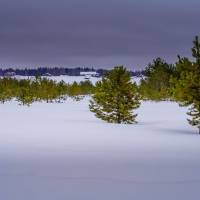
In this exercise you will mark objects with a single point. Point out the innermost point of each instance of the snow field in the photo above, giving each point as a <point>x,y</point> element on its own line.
<point>61,151</point>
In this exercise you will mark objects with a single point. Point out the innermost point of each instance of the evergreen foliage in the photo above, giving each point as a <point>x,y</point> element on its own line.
<point>115,97</point>
<point>156,81</point>
<point>27,91</point>
<point>185,84</point>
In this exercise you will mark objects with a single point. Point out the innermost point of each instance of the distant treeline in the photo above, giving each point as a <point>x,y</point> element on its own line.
<point>57,71</point>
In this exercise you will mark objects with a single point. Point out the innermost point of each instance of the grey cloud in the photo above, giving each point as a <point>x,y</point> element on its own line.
<point>95,33</point>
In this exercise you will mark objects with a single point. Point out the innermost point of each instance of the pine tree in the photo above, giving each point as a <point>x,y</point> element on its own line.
<point>24,94</point>
<point>24,97</point>
<point>156,81</point>
<point>115,97</point>
<point>196,50</point>
<point>186,84</point>
<point>195,88</point>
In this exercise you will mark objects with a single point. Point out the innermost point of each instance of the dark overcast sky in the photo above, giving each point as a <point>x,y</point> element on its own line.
<point>98,33</point>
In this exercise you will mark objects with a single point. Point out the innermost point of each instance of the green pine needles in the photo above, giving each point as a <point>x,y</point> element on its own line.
<point>27,91</point>
<point>186,84</point>
<point>115,97</point>
<point>155,84</point>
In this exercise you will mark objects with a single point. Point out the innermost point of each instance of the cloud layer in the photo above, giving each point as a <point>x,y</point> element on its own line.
<point>95,33</point>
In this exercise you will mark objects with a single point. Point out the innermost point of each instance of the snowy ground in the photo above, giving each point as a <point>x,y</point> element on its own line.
<point>67,79</point>
<point>61,151</point>
<point>70,79</point>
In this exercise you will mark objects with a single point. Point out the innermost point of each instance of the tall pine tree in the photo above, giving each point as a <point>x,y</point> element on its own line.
<point>195,109</point>
<point>186,84</point>
<point>115,97</point>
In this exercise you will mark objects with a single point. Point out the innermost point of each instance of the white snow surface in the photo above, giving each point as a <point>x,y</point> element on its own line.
<point>70,79</point>
<point>61,151</point>
<point>65,78</point>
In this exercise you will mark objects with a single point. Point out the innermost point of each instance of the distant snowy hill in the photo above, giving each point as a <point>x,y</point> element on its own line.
<point>70,79</point>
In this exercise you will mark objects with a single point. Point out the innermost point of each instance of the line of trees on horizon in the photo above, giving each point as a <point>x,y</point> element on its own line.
<point>57,71</point>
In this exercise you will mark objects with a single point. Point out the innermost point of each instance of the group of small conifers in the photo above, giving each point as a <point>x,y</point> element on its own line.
<point>115,97</point>
<point>27,91</point>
